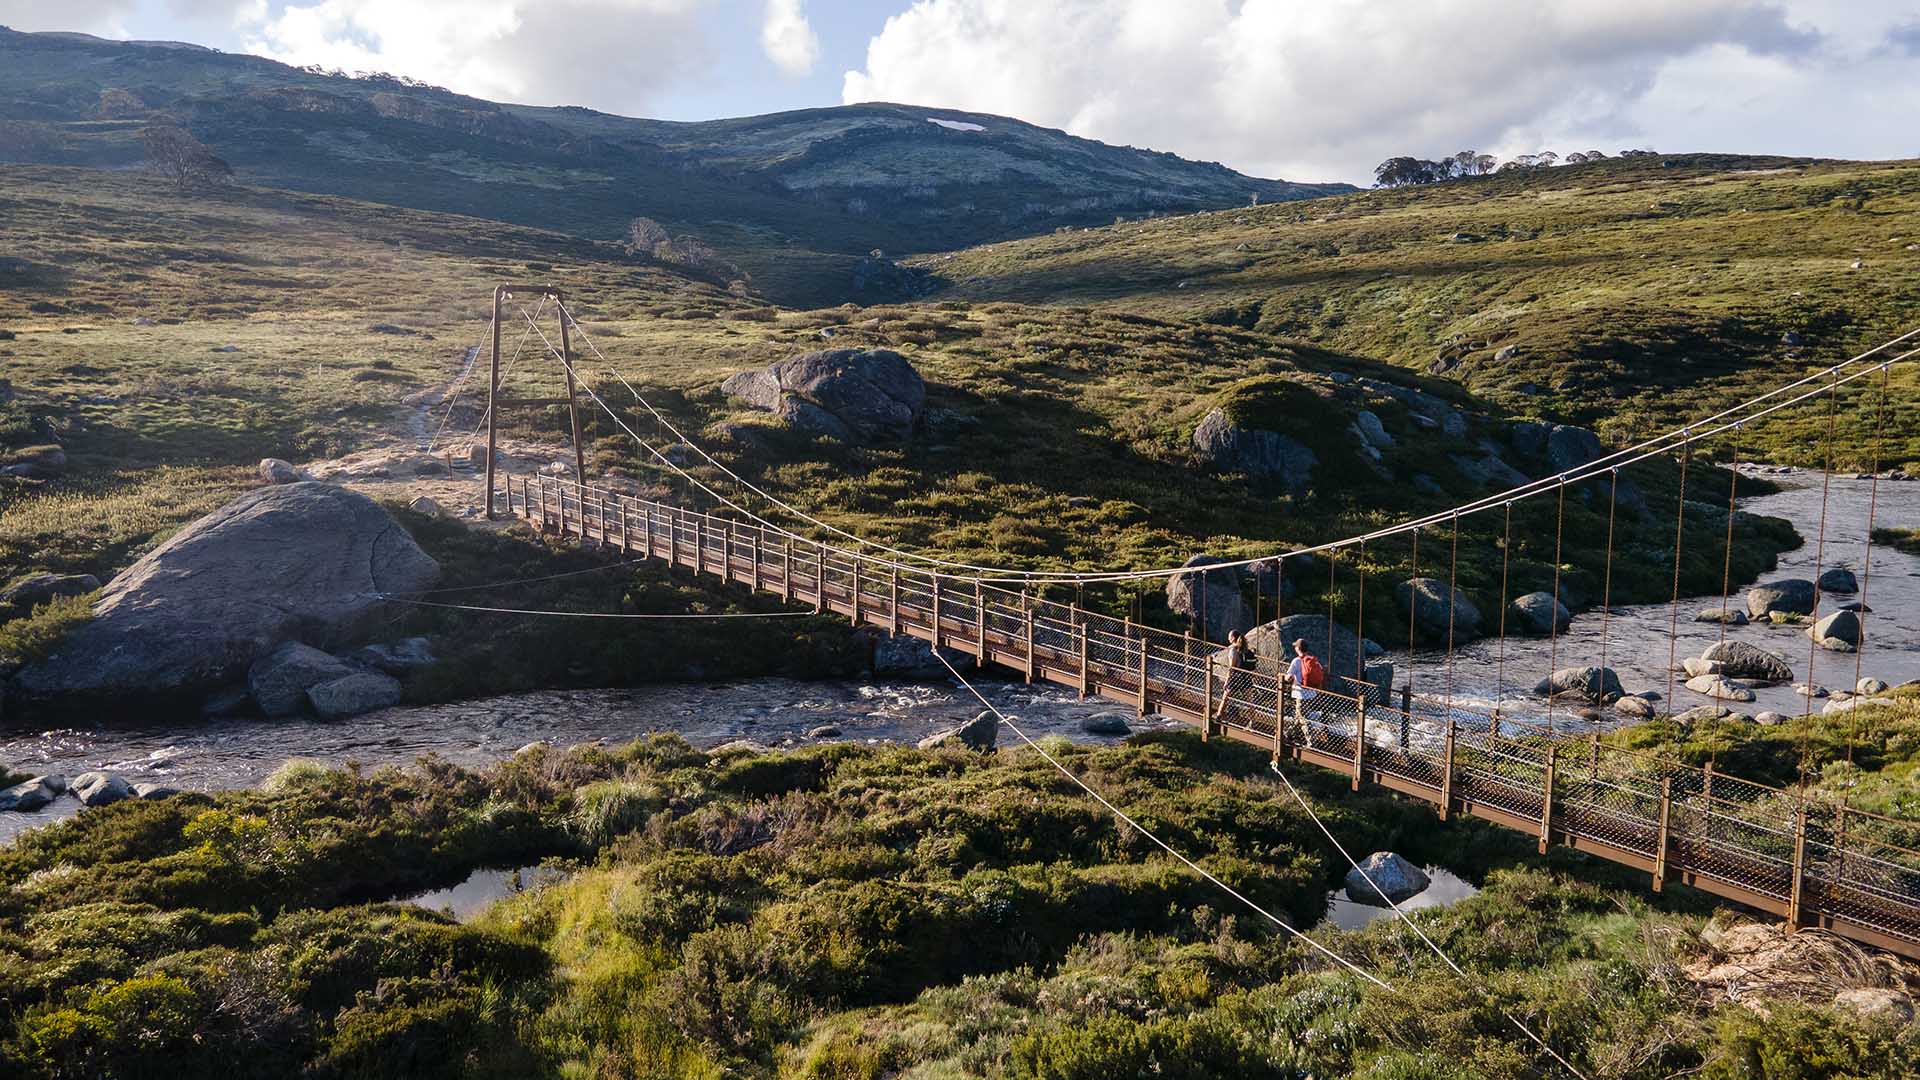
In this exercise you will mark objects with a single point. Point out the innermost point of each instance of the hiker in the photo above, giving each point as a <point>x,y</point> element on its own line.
<point>1306,672</point>
<point>1239,658</point>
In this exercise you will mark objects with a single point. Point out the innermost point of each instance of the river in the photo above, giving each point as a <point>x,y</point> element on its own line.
<point>229,754</point>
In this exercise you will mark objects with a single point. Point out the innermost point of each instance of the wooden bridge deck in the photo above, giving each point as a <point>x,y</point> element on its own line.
<point>1811,862</point>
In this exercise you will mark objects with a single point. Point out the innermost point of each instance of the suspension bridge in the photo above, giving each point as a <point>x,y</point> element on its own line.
<point>1800,854</point>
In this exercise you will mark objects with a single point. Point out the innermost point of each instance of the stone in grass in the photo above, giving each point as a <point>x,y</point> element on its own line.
<point>1383,878</point>
<point>981,733</point>
<point>1770,718</point>
<point>1870,686</point>
<point>150,790</point>
<point>100,788</point>
<point>277,471</point>
<point>351,695</point>
<point>36,589</point>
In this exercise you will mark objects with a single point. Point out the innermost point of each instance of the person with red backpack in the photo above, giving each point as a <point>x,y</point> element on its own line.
<point>1306,672</point>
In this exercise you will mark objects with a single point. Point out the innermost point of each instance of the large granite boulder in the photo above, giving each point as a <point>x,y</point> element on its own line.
<point>294,561</point>
<point>864,396</point>
<point>1210,594</point>
<point>1597,684</point>
<point>1740,660</point>
<point>1266,456</point>
<point>29,795</point>
<point>1384,878</point>
<point>1437,607</point>
<point>1569,447</point>
<point>1794,596</point>
<point>1839,631</point>
<point>1540,613</point>
<point>1271,645</point>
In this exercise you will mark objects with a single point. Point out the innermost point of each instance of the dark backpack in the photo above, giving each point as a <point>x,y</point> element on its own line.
<point>1312,675</point>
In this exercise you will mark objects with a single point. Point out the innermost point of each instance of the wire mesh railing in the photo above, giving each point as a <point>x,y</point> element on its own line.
<point>1811,859</point>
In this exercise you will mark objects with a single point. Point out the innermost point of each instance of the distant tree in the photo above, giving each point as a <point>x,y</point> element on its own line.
<point>1596,155</point>
<point>1575,158</point>
<point>1485,164</point>
<point>1401,171</point>
<point>645,235</point>
<point>1545,159</point>
<point>1466,163</point>
<point>183,159</point>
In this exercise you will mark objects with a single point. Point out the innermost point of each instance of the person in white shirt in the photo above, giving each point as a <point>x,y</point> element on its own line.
<point>1304,662</point>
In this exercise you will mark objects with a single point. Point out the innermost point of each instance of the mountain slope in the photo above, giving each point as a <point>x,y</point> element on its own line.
<point>1625,294</point>
<point>775,192</point>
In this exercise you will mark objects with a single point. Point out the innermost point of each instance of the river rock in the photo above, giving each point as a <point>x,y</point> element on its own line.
<point>279,681</point>
<point>1221,605</point>
<point>1790,596</point>
<point>1810,690</point>
<point>907,657</point>
<point>981,733</point>
<point>1540,613</point>
<point>1838,704</point>
<point>300,560</point>
<point>1383,878</point>
<point>1839,631</point>
<point>100,788</point>
<point>1840,580</point>
<point>1695,667</point>
<point>1635,707</point>
<point>1431,601</point>
<point>1718,688</point>
<point>1731,616</point>
<point>1106,723</point>
<point>863,396</point>
<point>28,796</point>
<point>396,658</point>
<point>1870,686</point>
<point>351,695</point>
<point>1769,718</point>
<point>1596,684</point>
<point>36,589</point>
<point>275,471</point>
<point>1741,660</point>
<point>824,731</point>
<point>1700,714</point>
<point>1266,456</point>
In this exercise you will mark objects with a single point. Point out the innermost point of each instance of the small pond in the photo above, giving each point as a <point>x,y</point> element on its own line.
<point>1444,887</point>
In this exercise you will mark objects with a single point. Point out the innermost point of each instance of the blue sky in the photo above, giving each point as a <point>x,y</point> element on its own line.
<point>1301,89</point>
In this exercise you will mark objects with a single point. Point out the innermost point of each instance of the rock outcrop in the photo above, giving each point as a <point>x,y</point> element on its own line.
<point>865,396</point>
<point>1540,613</point>
<point>302,561</point>
<point>1383,878</point>
<point>1439,609</point>
<point>1265,456</point>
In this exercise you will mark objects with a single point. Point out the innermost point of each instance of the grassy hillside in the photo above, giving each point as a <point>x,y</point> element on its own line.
<point>1624,294</point>
<point>831,184</point>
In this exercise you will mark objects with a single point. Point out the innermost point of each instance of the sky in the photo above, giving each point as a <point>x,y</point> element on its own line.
<point>1296,89</point>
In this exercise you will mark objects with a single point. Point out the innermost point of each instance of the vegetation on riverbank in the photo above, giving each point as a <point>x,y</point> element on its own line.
<point>840,911</point>
<point>1907,540</point>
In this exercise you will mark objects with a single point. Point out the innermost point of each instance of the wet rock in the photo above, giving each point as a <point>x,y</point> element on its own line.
<point>1434,603</point>
<point>1695,667</point>
<point>1635,707</point>
<point>36,589</point>
<point>1809,690</point>
<point>293,561</point>
<point>1839,631</point>
<point>1702,713</point>
<point>863,396</point>
<point>1597,684</point>
<point>1729,615</point>
<point>981,733</point>
<point>1870,686</point>
<point>276,471</point>
<point>1718,688</point>
<point>1741,660</point>
<point>1383,878</point>
<point>351,695</point>
<point>280,680</point>
<point>396,658</point>
<point>1107,723</point>
<point>28,796</point>
<point>1854,606</point>
<point>1210,594</point>
<point>1791,596</point>
<point>1839,580</point>
<point>824,731</point>
<point>1540,613</point>
<point>1265,456</point>
<point>100,788</point>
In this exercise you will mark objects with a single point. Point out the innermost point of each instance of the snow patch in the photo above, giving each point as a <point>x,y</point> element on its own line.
<point>955,125</point>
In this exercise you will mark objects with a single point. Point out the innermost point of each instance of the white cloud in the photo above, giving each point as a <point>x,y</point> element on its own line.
<point>612,54</point>
<point>1329,88</point>
<point>788,39</point>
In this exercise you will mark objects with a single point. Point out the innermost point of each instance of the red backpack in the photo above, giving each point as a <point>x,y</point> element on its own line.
<point>1312,675</point>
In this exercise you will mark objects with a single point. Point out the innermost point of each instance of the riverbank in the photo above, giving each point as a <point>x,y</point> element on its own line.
<point>851,911</point>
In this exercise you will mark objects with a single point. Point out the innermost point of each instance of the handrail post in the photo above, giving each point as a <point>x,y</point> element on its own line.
<point>1080,626</point>
<point>1206,692</point>
<point>856,590</point>
<point>1026,611</point>
<point>980,620</point>
<point>699,544</point>
<point>1280,682</point>
<point>646,528</point>
<point>1359,741</point>
<point>1661,839</point>
<point>726,553</point>
<point>759,546</point>
<point>561,492</point>
<point>626,529</point>
<point>936,610</point>
<point>1797,894</point>
<point>819,576</point>
<point>1142,639</point>
<point>673,522</point>
<point>1546,800</point>
<point>1446,769</point>
<point>893,601</point>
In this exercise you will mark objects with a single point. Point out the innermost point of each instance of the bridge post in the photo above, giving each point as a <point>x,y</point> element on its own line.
<point>819,576</point>
<point>1080,625</point>
<point>573,405</point>
<point>1026,611</point>
<point>560,493</point>
<point>1280,682</point>
<point>1142,640</point>
<point>893,601</point>
<point>646,528</point>
<point>1446,769</point>
<point>1206,690</point>
<point>699,544</point>
<point>726,553</point>
<point>626,529</point>
<point>856,589</point>
<point>493,390</point>
<point>980,620</point>
<point>673,522</point>
<point>1546,800</point>
<point>759,542</point>
<point>1359,740</point>
<point>1796,895</point>
<point>786,570</point>
<point>1661,841</point>
<point>936,610</point>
